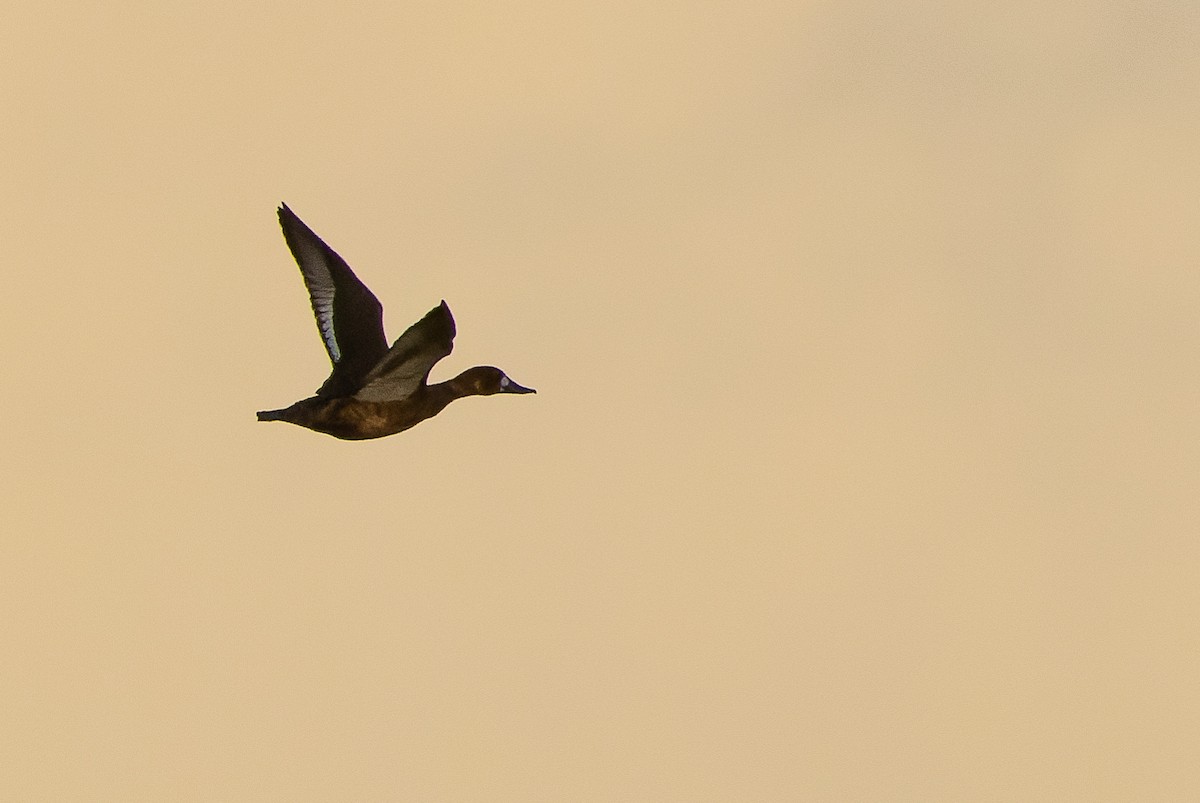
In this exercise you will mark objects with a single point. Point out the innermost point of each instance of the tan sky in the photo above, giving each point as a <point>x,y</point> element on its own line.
<point>864,459</point>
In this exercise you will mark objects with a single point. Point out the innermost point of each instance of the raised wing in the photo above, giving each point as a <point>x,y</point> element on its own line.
<point>406,366</point>
<point>349,316</point>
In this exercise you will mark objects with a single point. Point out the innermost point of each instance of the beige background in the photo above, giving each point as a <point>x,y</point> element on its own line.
<point>865,455</point>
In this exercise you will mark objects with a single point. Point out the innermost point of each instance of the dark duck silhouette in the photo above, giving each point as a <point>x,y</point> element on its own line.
<point>373,390</point>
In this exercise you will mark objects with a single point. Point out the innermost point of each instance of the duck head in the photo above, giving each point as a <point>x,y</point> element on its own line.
<point>485,380</point>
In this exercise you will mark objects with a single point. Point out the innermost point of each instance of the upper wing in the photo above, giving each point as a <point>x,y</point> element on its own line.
<point>349,316</point>
<point>406,366</point>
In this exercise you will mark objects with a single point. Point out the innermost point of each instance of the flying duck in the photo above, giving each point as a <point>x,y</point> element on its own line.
<point>373,390</point>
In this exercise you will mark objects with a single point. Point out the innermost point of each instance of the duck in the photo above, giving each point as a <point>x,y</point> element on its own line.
<point>373,390</point>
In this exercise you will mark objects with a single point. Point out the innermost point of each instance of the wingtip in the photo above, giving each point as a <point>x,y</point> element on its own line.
<point>289,220</point>
<point>449,316</point>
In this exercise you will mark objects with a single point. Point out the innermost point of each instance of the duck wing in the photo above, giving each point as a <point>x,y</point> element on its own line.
<point>406,366</point>
<point>349,316</point>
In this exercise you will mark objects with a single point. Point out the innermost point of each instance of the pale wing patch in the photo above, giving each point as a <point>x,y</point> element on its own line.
<point>322,302</point>
<point>318,277</point>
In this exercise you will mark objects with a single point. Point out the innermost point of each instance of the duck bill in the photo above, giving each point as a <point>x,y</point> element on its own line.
<point>513,387</point>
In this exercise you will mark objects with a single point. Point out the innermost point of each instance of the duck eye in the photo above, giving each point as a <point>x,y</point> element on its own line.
<point>504,381</point>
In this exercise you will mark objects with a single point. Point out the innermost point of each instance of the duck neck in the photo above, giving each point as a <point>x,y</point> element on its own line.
<point>456,388</point>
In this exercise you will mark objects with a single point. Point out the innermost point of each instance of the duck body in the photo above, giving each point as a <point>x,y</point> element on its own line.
<point>354,419</point>
<point>374,390</point>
